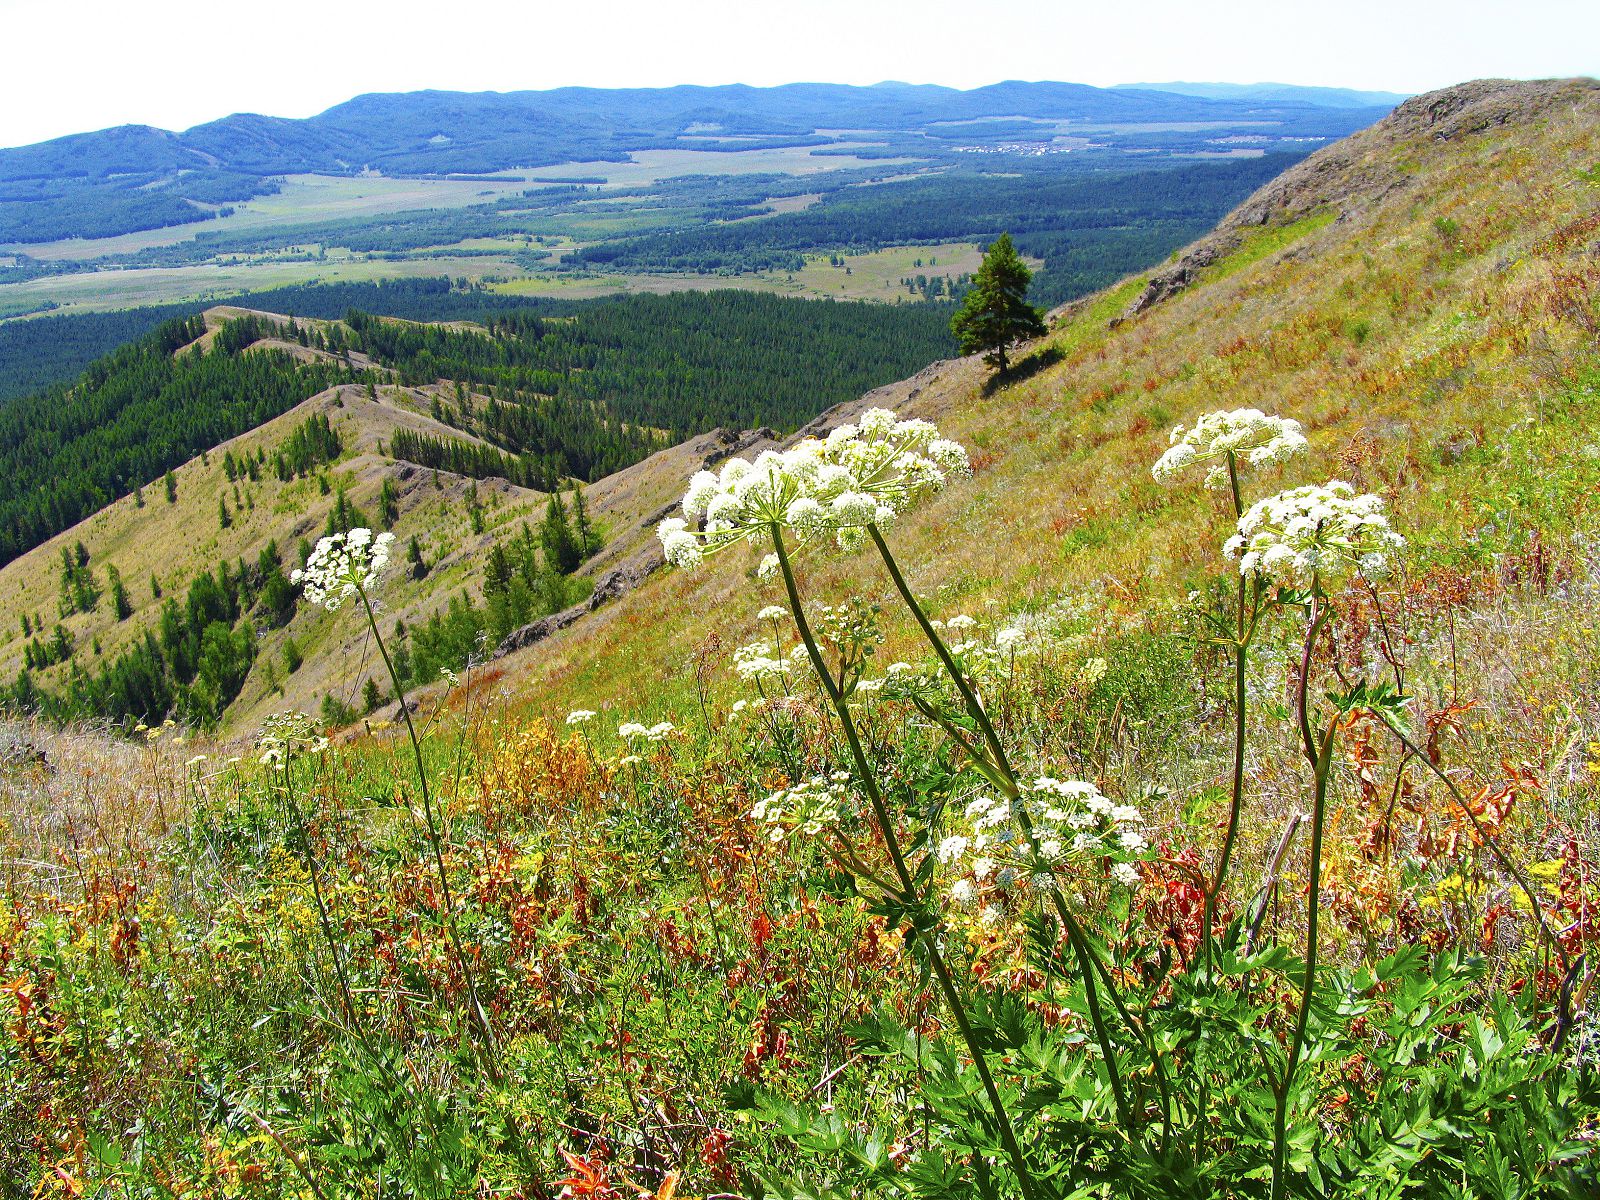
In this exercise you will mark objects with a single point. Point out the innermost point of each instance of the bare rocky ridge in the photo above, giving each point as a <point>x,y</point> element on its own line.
<point>1361,170</point>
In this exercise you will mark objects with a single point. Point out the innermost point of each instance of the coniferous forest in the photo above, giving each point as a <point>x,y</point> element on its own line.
<point>133,415</point>
<point>581,395</point>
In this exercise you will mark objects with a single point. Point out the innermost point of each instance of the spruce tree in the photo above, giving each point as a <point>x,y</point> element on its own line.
<point>561,551</point>
<point>120,604</point>
<point>996,312</point>
<point>388,504</point>
<point>588,537</point>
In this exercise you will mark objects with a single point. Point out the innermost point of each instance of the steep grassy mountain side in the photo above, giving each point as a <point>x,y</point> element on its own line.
<point>158,548</point>
<point>1420,296</point>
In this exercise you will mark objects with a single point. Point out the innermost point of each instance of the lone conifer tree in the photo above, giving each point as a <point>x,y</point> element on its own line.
<point>996,312</point>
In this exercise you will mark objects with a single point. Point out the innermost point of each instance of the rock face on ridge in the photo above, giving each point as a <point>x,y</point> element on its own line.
<point>1361,170</point>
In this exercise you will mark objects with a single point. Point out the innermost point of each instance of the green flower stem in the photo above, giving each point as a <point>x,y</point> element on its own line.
<point>1241,661</point>
<point>316,894</point>
<point>1320,756</point>
<point>487,1048</point>
<point>908,887</point>
<point>945,657</point>
<point>1007,783</point>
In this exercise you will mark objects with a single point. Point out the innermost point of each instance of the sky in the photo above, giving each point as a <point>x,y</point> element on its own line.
<point>74,66</point>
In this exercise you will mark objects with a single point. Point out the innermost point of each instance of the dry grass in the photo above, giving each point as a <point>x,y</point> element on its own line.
<point>76,803</point>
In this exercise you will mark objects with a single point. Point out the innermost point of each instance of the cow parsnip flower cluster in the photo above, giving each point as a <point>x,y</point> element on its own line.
<point>632,731</point>
<point>808,807</point>
<point>1315,531</point>
<point>859,475</point>
<point>343,565</point>
<point>1249,434</point>
<point>757,661</point>
<point>1072,824</point>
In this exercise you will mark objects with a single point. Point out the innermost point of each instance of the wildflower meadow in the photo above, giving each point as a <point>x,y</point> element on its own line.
<point>906,903</point>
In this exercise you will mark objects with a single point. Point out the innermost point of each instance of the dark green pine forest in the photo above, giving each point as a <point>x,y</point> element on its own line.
<point>66,452</point>
<point>573,396</point>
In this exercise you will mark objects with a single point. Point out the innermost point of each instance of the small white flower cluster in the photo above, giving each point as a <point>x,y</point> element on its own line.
<point>758,660</point>
<point>1071,821</point>
<point>861,474</point>
<point>809,807</point>
<point>1312,531</point>
<point>580,716</point>
<point>1248,433</point>
<point>632,731</point>
<point>981,653</point>
<point>342,565</point>
<point>773,612</point>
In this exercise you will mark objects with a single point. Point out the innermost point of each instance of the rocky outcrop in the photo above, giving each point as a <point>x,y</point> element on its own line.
<point>1481,104</point>
<point>1359,171</point>
<point>615,583</point>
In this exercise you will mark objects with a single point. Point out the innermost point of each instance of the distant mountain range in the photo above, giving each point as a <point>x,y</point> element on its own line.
<point>139,177</point>
<point>1274,93</point>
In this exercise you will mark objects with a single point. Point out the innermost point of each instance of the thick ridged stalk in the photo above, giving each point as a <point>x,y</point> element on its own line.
<point>1241,660</point>
<point>907,883</point>
<point>1320,756</point>
<point>1088,964</point>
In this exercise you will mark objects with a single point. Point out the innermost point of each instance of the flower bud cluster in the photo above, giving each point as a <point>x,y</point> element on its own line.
<point>1315,531</point>
<point>757,661</point>
<point>862,474</point>
<point>983,651</point>
<point>288,733</point>
<point>632,731</point>
<point>818,803</point>
<point>1248,433</point>
<point>342,565</point>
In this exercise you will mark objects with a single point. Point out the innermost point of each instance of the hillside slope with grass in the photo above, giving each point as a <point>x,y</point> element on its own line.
<point>1421,296</point>
<point>1031,849</point>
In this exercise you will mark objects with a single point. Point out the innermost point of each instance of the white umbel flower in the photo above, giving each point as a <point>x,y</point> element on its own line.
<point>1249,434</point>
<point>863,474</point>
<point>343,565</point>
<point>1317,531</point>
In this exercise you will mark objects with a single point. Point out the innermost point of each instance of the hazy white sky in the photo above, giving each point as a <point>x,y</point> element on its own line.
<point>67,66</point>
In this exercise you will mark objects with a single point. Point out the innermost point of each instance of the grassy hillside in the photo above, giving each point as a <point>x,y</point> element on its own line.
<point>638,910</point>
<point>1422,303</point>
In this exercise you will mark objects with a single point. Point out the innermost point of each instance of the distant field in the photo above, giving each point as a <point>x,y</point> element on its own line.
<point>872,276</point>
<point>877,275</point>
<point>304,199</point>
<point>309,198</point>
<point>101,291</point>
<point>652,166</point>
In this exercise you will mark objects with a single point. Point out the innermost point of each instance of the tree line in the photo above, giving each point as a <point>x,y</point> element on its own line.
<point>132,416</point>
